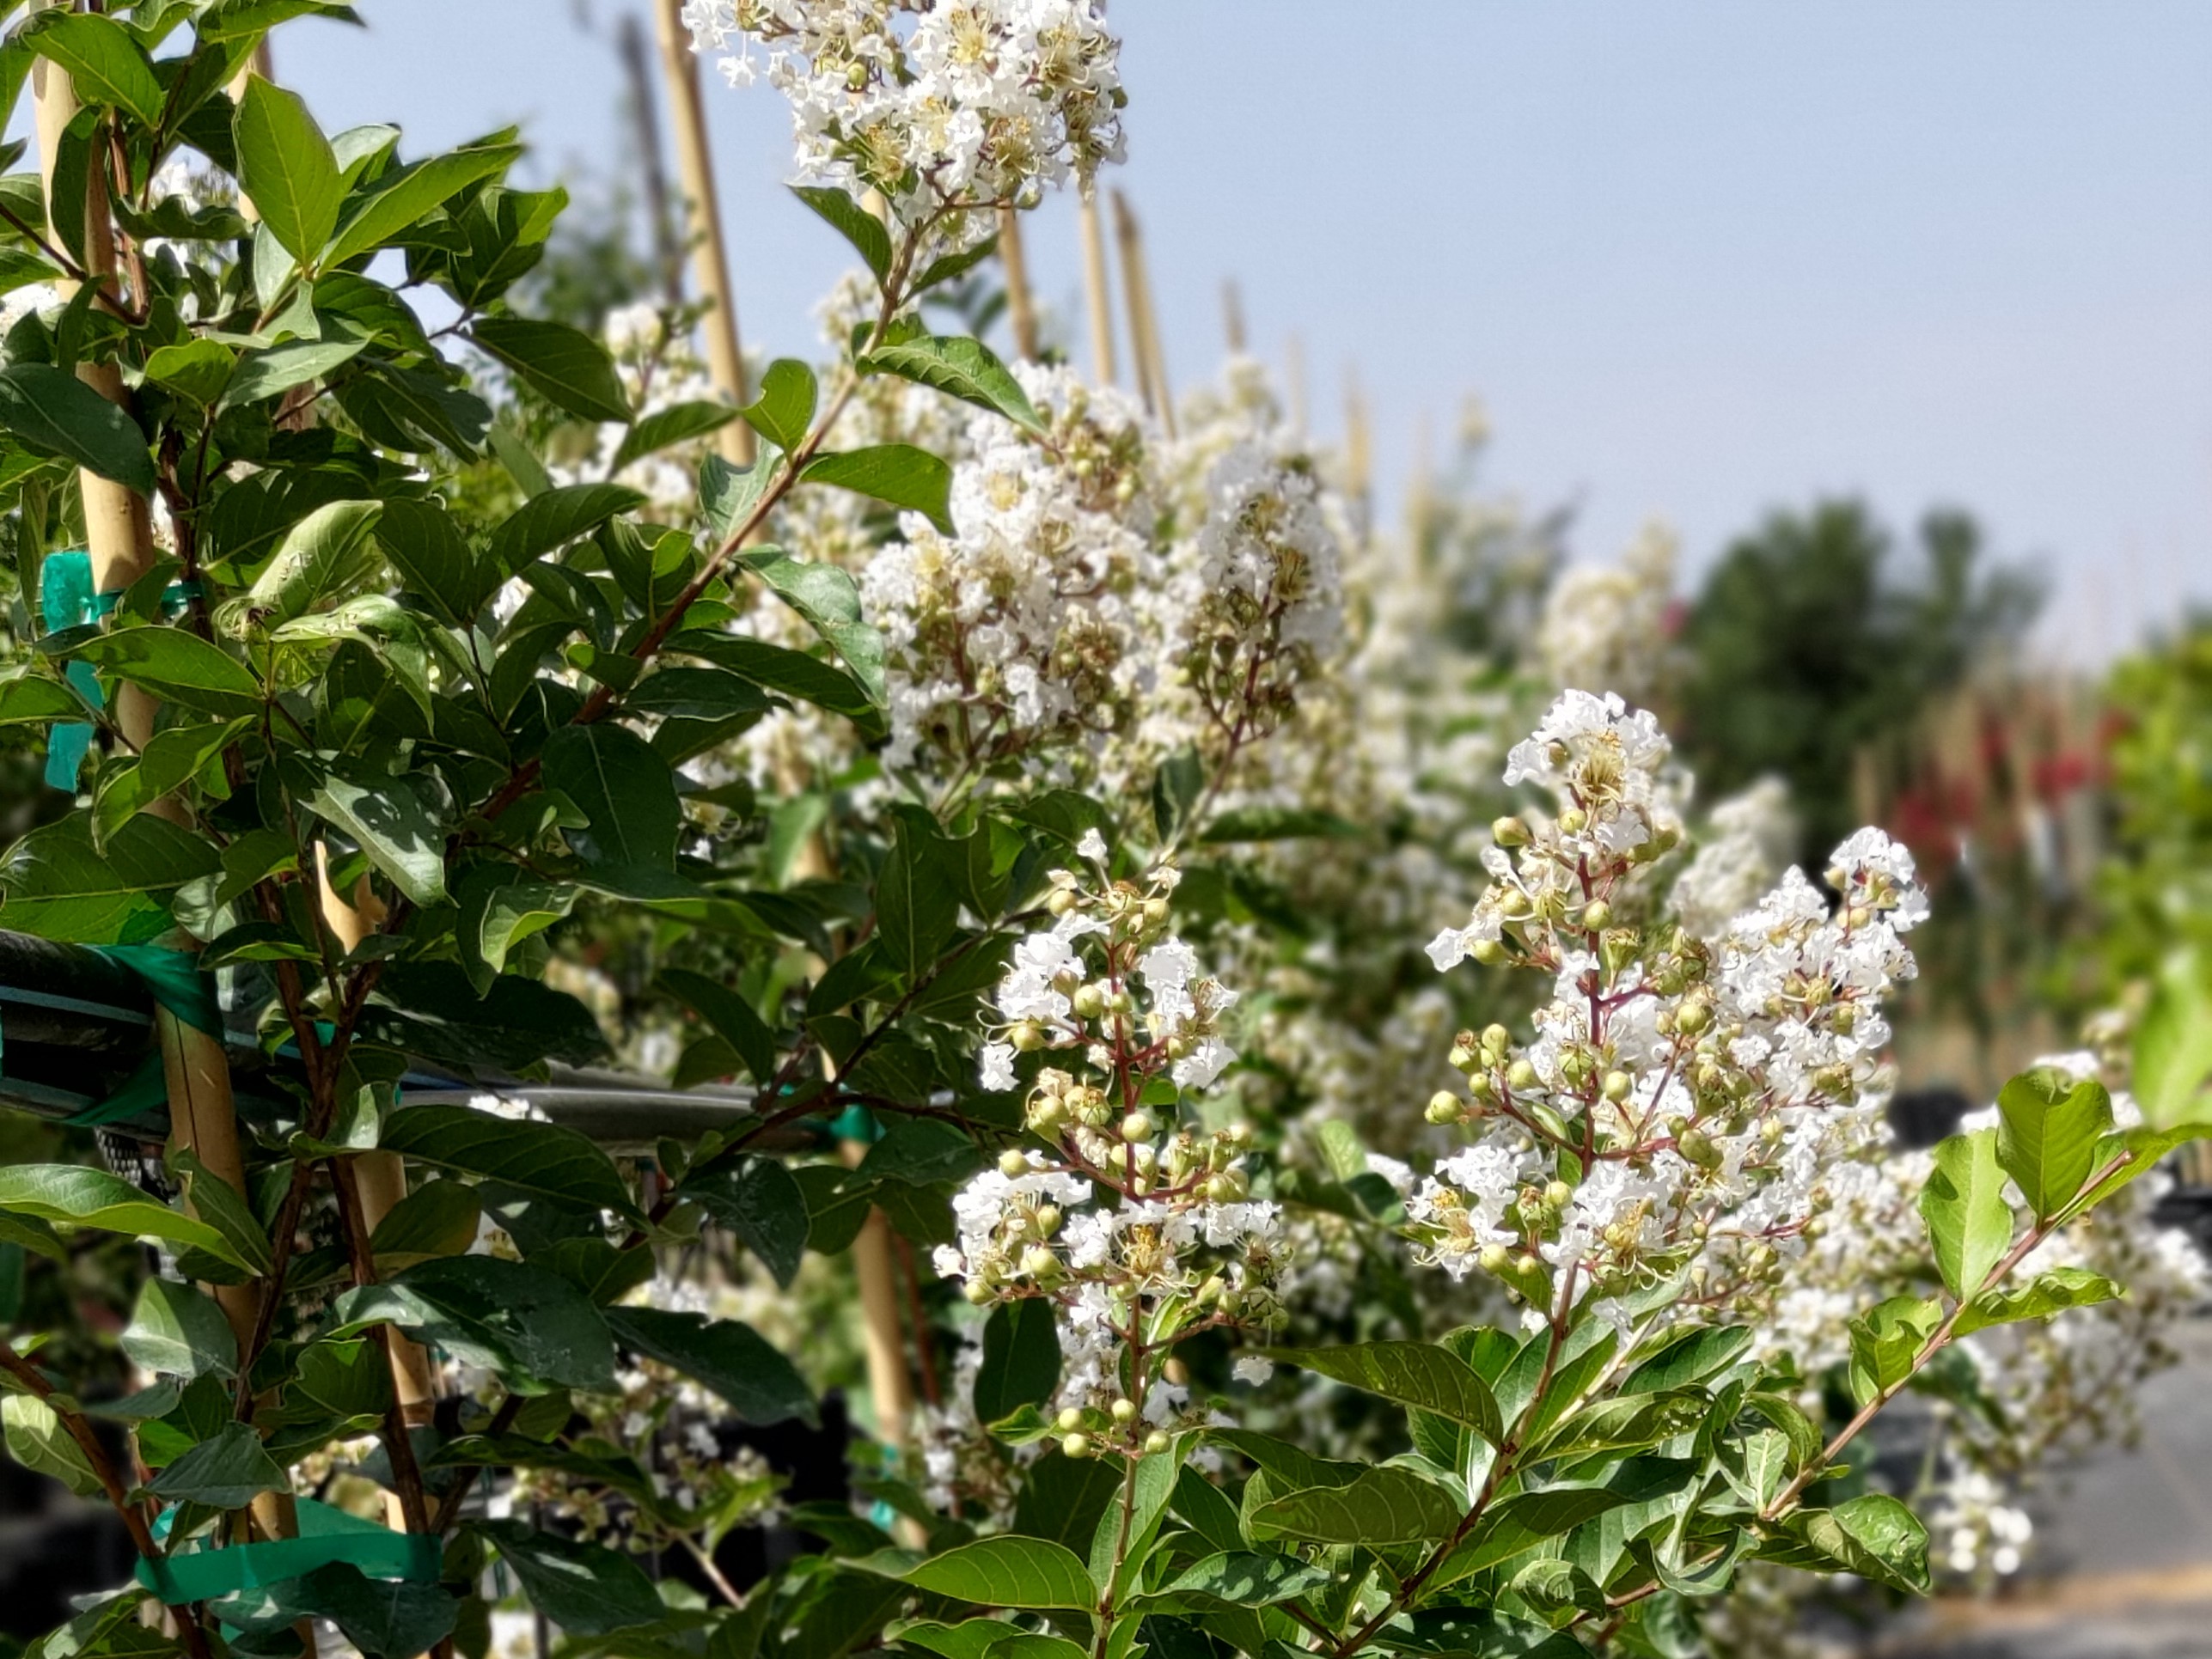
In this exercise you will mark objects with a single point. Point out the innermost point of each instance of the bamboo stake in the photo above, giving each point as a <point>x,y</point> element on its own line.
<point>1021,311</point>
<point>1358,447</point>
<point>380,1179</point>
<point>1096,299</point>
<point>1232,317</point>
<point>1294,384</point>
<point>118,539</point>
<point>710,266</point>
<point>637,70</point>
<point>1144,330</point>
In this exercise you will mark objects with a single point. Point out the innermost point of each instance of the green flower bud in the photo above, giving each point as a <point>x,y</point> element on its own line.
<point>1509,832</point>
<point>1442,1107</point>
<point>1069,1420</point>
<point>1012,1163</point>
<point>1076,1445</point>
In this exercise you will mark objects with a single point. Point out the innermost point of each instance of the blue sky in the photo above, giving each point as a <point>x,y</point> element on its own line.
<point>1697,261</point>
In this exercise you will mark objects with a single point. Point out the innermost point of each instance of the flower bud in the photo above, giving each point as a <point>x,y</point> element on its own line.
<point>1175,1371</point>
<point>1495,1258</point>
<point>1574,822</point>
<point>1060,901</point>
<point>1076,1445</point>
<point>1069,1420</point>
<point>975,1293</point>
<point>1137,1126</point>
<point>1012,1163</point>
<point>1558,1195</point>
<point>1156,911</point>
<point>1046,1220</point>
<point>1027,1037</point>
<point>1597,915</point>
<point>1618,1086</point>
<point>1491,953</point>
<point>1038,1262</point>
<point>1123,1411</point>
<point>1089,1002</point>
<point>1697,1147</point>
<point>1521,1077</point>
<point>1442,1107</point>
<point>1692,1017</point>
<point>1156,1441</point>
<point>1509,832</point>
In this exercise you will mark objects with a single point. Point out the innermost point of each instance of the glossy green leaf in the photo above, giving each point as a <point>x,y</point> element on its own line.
<point>93,1198</point>
<point>29,699</point>
<point>679,422</point>
<point>177,666</point>
<point>403,199</point>
<point>1419,1375</point>
<point>2173,1058</point>
<point>542,1159</point>
<point>853,221</point>
<point>564,365</point>
<point>828,599</point>
<point>730,1358</point>
<point>759,1200</point>
<point>286,167</point>
<point>104,66</point>
<point>499,909</point>
<point>277,369</point>
<point>959,366</point>
<point>530,1325</point>
<point>438,1218</point>
<point>384,1619</point>
<point>195,369</point>
<point>1886,1342</point>
<point>1008,1571</point>
<point>388,819</point>
<point>587,1589</point>
<point>227,1471</point>
<point>1970,1220</point>
<point>37,1440</point>
<point>896,474</point>
<point>56,883</point>
<point>2052,1291</point>
<point>555,518</point>
<point>2048,1125</point>
<point>170,758</point>
<point>55,413</point>
<point>625,792</point>
<point>326,555</point>
<point>1384,1505</point>
<point>221,1206</point>
<point>916,909</point>
<point>729,495</point>
<point>1021,1362</point>
<point>1873,1535</point>
<point>784,410</point>
<point>731,1016</point>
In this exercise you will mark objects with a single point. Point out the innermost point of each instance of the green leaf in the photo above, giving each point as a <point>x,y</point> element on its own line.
<point>267,374</point>
<point>729,494</point>
<point>57,885</point>
<point>223,1207</point>
<point>541,1159</point>
<point>37,1440</point>
<point>177,666</point>
<point>171,758</point>
<point>760,1201</point>
<point>104,66</point>
<point>1008,1571</point>
<point>286,168</point>
<point>227,1471</point>
<point>384,1619</point>
<point>1420,1375</point>
<point>897,473</point>
<point>778,668</point>
<point>1969,1220</point>
<point>1691,1357</point>
<point>731,1016</point>
<point>438,1218</point>
<point>1886,1341</point>
<point>348,1378</point>
<point>623,789</point>
<point>195,369</point>
<point>828,599</point>
<point>785,409</point>
<point>564,365</point>
<point>732,1359</point>
<point>1277,824</point>
<point>2131,1154</point>
<point>426,547</point>
<point>1021,1359</point>
<point>858,226</point>
<point>1236,1578</point>
<point>55,413</point>
<point>29,699</point>
<point>499,909</point>
<point>1528,1520</point>
<point>93,1198</point>
<point>1385,1504</point>
<point>2047,1133</point>
<point>585,1589</point>
<point>325,556</point>
<point>532,1326</point>
<point>2174,1043</point>
<point>1873,1535</point>
<point>556,517</point>
<point>961,368</point>
<point>915,909</point>
<point>390,821</point>
<point>679,422</point>
<point>2046,1293</point>
<point>403,199</point>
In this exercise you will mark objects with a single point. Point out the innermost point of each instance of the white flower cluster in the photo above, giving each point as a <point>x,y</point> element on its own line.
<point>1141,1231</point>
<point>1602,624</point>
<point>942,108</point>
<point>1108,598</point>
<point>1744,848</point>
<point>1678,1105</point>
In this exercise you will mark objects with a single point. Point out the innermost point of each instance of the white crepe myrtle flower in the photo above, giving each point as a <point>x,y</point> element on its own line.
<point>1139,1231</point>
<point>1699,1081</point>
<point>942,108</point>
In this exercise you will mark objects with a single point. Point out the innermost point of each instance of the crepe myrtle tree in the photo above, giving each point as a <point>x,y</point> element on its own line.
<point>350,675</point>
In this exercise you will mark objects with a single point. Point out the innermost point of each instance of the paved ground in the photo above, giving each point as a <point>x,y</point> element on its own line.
<point>2123,1568</point>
